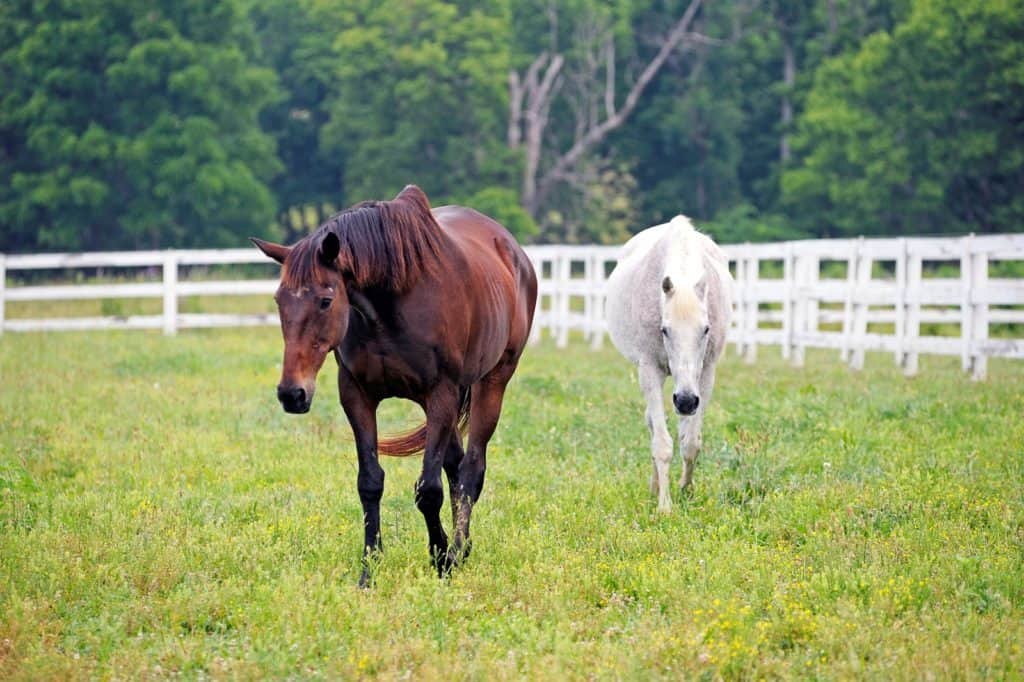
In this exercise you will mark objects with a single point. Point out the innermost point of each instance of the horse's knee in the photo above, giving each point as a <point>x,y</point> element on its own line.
<point>690,443</point>
<point>453,456</point>
<point>474,486</point>
<point>690,452</point>
<point>429,496</point>
<point>471,474</point>
<point>661,447</point>
<point>370,486</point>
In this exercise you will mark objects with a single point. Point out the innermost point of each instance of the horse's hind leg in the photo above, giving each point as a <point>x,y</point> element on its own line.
<point>652,379</point>
<point>452,459</point>
<point>484,411</point>
<point>442,408</point>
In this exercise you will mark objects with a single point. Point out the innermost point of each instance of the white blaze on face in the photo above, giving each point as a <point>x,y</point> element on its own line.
<point>684,323</point>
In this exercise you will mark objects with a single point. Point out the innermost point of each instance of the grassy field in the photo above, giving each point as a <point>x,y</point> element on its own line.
<point>161,516</point>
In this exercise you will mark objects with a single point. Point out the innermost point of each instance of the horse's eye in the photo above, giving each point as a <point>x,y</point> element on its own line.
<point>664,331</point>
<point>707,328</point>
<point>325,303</point>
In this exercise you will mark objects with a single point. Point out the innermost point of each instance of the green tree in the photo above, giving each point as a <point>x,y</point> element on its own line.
<point>685,134</point>
<point>298,46</point>
<point>712,137</point>
<point>418,96</point>
<point>502,204</point>
<point>920,130</point>
<point>129,124</point>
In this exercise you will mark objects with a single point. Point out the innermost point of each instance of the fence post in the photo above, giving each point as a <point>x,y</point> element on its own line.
<point>170,292</point>
<point>564,265</point>
<point>979,302</point>
<point>799,311</point>
<point>538,312</point>
<point>597,286</point>
<point>851,282</point>
<point>812,302</point>
<point>808,273</point>
<point>737,306</point>
<point>3,289</point>
<point>751,314</point>
<point>912,329</point>
<point>860,307</point>
<point>788,303</point>
<point>900,307</point>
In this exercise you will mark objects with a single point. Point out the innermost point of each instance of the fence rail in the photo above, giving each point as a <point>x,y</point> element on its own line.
<point>851,295</point>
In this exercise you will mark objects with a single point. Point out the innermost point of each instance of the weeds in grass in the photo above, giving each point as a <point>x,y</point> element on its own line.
<point>160,516</point>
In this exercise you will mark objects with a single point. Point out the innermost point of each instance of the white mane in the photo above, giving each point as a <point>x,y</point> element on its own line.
<point>684,262</point>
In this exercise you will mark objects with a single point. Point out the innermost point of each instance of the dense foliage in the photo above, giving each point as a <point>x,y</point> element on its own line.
<point>128,124</point>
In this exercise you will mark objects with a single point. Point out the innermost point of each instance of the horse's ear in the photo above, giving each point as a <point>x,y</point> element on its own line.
<point>330,247</point>
<point>414,195</point>
<point>666,286</point>
<point>274,251</point>
<point>701,288</point>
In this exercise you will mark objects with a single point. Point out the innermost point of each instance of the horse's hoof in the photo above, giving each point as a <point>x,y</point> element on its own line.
<point>366,580</point>
<point>439,560</point>
<point>444,565</point>
<point>453,558</point>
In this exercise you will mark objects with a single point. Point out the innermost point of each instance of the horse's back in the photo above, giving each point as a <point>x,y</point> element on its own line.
<point>481,238</point>
<point>634,315</point>
<point>634,288</point>
<point>494,262</point>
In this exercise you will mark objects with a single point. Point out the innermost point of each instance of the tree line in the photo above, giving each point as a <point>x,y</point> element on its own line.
<point>195,123</point>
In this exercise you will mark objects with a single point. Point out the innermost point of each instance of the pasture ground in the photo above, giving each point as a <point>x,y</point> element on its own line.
<point>161,516</point>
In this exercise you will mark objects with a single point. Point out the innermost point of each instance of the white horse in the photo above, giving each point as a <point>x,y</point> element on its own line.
<point>669,304</point>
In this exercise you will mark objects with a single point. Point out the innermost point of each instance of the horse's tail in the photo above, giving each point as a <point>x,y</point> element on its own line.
<point>413,442</point>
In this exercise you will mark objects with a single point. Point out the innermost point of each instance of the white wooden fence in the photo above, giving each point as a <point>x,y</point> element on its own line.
<point>851,295</point>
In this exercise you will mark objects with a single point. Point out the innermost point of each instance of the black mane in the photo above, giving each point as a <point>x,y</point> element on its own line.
<point>389,244</point>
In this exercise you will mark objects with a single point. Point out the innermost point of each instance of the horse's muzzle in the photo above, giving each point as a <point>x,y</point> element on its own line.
<point>294,399</point>
<point>685,403</point>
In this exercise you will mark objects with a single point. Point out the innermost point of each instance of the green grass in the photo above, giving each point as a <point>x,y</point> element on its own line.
<point>160,515</point>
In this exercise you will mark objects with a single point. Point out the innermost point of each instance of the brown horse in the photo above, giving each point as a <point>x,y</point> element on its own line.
<point>431,306</point>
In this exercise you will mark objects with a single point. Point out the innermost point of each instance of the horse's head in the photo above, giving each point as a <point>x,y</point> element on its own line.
<point>684,332</point>
<point>313,306</point>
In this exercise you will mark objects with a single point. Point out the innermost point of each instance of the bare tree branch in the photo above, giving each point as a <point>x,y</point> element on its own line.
<point>599,132</point>
<point>609,77</point>
<point>538,91</point>
<point>593,103</point>
<point>592,127</point>
<point>515,110</point>
<point>700,38</point>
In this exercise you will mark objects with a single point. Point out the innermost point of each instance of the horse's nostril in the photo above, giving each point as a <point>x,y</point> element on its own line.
<point>291,396</point>
<point>294,400</point>
<point>685,403</point>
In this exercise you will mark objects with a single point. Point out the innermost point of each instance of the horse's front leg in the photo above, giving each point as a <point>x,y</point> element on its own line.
<point>362,416</point>
<point>690,428</point>
<point>690,442</point>
<point>652,379</point>
<point>442,410</point>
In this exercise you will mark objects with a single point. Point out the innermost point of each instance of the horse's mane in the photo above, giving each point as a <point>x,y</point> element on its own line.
<point>685,252</point>
<point>389,244</point>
